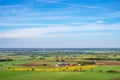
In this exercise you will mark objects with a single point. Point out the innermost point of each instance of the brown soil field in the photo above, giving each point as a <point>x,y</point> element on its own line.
<point>102,63</point>
<point>35,65</point>
<point>115,79</point>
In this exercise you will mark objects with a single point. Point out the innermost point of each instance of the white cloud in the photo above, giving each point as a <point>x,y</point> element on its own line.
<point>62,30</point>
<point>114,14</point>
<point>21,24</point>
<point>78,5</point>
<point>99,21</point>
<point>36,18</point>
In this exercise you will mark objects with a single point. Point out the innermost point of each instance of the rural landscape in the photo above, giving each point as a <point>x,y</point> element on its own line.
<point>59,64</point>
<point>59,39</point>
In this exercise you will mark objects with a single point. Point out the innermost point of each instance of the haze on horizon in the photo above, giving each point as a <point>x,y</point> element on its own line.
<point>59,24</point>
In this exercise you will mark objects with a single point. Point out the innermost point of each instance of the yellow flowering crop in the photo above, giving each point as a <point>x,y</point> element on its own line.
<point>65,68</point>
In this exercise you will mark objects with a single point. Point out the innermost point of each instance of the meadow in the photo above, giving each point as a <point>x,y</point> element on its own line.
<point>36,75</point>
<point>43,67</point>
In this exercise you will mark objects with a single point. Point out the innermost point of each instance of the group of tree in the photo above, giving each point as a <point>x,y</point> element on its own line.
<point>4,60</point>
<point>90,62</point>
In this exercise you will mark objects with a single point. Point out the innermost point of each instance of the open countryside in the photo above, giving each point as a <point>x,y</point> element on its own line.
<point>81,64</point>
<point>59,39</point>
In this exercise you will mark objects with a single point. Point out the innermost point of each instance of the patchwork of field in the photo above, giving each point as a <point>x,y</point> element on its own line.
<point>20,72</point>
<point>74,67</point>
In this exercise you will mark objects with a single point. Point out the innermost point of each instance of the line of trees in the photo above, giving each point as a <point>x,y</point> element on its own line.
<point>4,60</point>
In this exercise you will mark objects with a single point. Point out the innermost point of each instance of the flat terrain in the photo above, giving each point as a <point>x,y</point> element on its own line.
<point>28,65</point>
<point>95,74</point>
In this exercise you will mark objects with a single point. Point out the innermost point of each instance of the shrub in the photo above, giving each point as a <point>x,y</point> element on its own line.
<point>112,71</point>
<point>62,60</point>
<point>100,71</point>
<point>57,60</point>
<point>44,64</point>
<point>5,60</point>
<point>33,69</point>
<point>41,58</point>
<point>85,62</point>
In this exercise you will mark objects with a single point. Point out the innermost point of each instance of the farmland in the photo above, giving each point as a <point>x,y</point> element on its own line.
<point>36,65</point>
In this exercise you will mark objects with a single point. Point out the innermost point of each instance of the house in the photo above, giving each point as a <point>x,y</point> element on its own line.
<point>63,64</point>
<point>60,64</point>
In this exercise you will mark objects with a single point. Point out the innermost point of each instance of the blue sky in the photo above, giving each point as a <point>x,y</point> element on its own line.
<point>59,24</point>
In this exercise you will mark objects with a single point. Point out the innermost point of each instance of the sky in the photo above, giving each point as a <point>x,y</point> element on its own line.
<point>59,24</point>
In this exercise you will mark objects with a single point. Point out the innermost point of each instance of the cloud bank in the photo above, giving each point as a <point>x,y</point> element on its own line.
<point>56,31</point>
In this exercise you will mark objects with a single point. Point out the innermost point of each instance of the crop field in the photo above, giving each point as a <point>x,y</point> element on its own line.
<point>36,75</point>
<point>59,67</point>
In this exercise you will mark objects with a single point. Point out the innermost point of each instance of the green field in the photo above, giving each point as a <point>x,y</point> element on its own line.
<point>87,75</point>
<point>96,73</point>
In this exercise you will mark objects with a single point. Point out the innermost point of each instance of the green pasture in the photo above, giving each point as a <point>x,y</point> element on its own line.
<point>87,75</point>
<point>98,73</point>
<point>11,64</point>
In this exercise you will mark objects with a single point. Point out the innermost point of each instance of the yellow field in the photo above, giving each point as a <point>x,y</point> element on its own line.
<point>66,68</point>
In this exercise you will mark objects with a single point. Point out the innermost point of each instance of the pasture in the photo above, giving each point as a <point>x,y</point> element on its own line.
<point>88,75</point>
<point>27,67</point>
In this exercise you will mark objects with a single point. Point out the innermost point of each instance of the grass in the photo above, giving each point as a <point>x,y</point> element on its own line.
<point>88,75</point>
<point>95,74</point>
<point>12,64</point>
<point>105,68</point>
<point>25,75</point>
